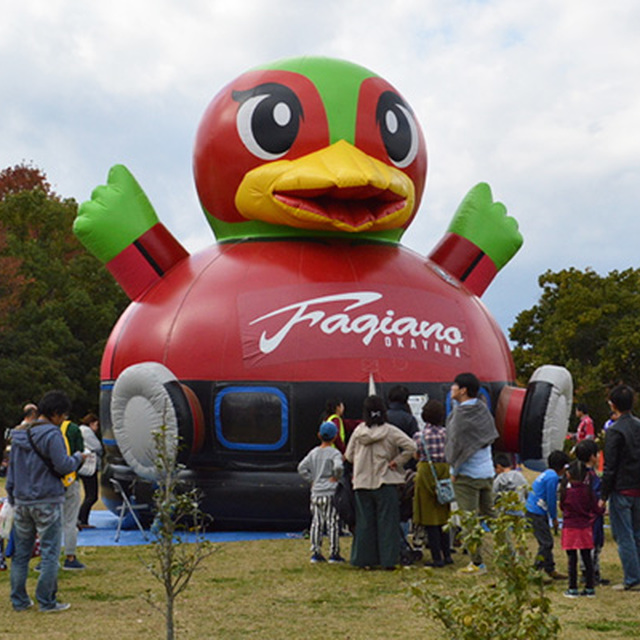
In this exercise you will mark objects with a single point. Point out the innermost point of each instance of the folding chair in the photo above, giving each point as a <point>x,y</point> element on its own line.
<point>127,507</point>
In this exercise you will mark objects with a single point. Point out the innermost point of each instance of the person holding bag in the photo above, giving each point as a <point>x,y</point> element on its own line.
<point>430,513</point>
<point>38,461</point>
<point>6,525</point>
<point>90,429</point>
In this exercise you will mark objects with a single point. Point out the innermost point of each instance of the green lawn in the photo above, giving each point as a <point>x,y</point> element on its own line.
<point>268,590</point>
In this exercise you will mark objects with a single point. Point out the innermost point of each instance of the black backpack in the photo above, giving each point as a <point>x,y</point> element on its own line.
<point>344,500</point>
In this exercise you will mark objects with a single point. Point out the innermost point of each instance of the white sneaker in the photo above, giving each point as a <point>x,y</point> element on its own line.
<point>474,569</point>
<point>626,587</point>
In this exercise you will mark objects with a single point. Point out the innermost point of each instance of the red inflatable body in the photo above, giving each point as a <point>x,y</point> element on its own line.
<point>353,308</point>
<point>286,325</point>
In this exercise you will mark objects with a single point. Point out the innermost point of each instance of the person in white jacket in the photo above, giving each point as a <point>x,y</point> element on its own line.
<point>378,452</point>
<point>90,429</point>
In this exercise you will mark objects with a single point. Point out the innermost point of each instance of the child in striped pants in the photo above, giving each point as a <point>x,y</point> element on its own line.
<point>322,467</point>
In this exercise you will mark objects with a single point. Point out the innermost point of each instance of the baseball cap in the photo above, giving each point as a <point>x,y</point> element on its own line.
<point>328,431</point>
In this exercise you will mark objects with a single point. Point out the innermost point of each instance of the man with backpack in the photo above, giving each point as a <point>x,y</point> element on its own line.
<point>38,461</point>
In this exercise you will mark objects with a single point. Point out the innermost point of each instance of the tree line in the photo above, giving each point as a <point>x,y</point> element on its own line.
<point>58,305</point>
<point>57,302</point>
<point>589,324</point>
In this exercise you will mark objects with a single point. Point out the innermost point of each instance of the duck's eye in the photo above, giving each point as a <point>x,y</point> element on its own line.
<point>268,119</point>
<point>397,128</point>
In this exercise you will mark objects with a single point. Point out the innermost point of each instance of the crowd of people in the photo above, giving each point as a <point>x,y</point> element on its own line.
<point>446,460</point>
<point>48,455</point>
<point>459,451</point>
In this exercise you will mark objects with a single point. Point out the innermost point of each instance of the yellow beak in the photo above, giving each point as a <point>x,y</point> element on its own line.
<point>339,188</point>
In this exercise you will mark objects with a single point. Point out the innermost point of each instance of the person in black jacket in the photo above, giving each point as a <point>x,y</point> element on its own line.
<point>399,413</point>
<point>621,484</point>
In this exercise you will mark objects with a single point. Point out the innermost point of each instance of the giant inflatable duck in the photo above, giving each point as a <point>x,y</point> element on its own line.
<point>308,170</point>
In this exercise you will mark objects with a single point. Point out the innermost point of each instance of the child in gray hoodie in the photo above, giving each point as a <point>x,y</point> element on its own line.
<point>322,467</point>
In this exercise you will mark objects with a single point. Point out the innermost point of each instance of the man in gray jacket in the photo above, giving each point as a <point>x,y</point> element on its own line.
<point>471,431</point>
<point>38,460</point>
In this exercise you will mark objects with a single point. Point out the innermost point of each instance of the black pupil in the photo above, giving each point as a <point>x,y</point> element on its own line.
<point>394,126</point>
<point>276,119</point>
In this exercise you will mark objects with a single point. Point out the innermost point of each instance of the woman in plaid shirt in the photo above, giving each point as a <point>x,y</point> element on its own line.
<point>429,515</point>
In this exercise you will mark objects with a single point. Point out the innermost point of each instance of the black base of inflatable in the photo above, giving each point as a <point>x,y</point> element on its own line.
<point>235,500</point>
<point>249,489</point>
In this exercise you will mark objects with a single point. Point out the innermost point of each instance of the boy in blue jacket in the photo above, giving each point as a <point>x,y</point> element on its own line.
<point>542,508</point>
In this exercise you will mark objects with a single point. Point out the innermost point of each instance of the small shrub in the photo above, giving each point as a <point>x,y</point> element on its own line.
<point>177,510</point>
<point>513,605</point>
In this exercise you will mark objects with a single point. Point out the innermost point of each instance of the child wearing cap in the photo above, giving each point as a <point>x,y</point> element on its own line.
<point>322,467</point>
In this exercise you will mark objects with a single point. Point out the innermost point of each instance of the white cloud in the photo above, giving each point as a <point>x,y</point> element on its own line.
<point>540,99</point>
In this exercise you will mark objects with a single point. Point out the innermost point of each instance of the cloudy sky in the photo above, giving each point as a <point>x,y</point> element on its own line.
<point>537,97</point>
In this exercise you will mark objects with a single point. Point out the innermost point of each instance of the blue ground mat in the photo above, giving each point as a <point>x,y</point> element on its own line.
<point>105,524</point>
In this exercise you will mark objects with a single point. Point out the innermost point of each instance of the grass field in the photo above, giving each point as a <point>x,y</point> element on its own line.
<point>268,590</point>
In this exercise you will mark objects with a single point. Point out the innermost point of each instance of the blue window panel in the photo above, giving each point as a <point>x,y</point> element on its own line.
<point>251,418</point>
<point>482,392</point>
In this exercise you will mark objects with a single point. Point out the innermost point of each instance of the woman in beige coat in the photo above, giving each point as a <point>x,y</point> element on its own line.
<point>378,451</point>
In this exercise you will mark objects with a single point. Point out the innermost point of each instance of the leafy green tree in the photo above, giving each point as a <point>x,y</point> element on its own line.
<point>588,323</point>
<point>57,303</point>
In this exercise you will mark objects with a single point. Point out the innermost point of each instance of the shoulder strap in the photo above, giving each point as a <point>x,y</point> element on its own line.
<point>426,453</point>
<point>69,478</point>
<point>41,455</point>
<point>424,445</point>
<point>64,428</point>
